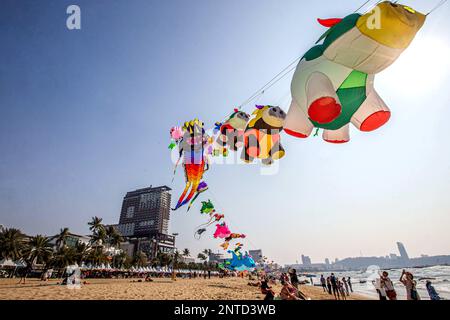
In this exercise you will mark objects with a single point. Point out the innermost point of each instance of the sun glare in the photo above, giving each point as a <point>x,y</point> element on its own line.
<point>422,68</point>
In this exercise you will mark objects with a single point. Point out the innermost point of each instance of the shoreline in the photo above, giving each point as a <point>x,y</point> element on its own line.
<point>159,289</point>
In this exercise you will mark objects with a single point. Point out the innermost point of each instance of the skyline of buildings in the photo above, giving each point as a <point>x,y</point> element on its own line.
<point>359,263</point>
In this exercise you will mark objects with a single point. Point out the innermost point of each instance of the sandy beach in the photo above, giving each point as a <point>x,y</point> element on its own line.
<point>159,289</point>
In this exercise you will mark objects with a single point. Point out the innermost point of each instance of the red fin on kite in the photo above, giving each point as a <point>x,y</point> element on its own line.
<point>329,22</point>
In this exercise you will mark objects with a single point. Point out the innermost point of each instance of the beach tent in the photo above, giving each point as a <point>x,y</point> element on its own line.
<point>10,263</point>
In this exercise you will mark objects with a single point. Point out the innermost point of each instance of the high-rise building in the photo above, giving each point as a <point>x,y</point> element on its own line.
<point>327,261</point>
<point>306,260</point>
<point>145,212</point>
<point>144,221</point>
<point>402,250</point>
<point>257,255</point>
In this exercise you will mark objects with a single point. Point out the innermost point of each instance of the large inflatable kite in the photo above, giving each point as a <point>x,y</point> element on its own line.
<point>192,147</point>
<point>231,132</point>
<point>262,135</point>
<point>334,82</point>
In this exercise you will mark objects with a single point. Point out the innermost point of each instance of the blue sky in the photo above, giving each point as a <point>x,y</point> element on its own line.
<point>85,114</point>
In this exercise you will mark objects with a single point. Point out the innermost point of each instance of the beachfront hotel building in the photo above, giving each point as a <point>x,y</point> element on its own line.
<point>144,221</point>
<point>257,255</point>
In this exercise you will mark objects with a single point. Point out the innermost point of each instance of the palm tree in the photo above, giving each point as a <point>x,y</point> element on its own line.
<point>12,244</point>
<point>164,259</point>
<point>176,257</point>
<point>121,260</point>
<point>65,256</point>
<point>82,252</point>
<point>113,237</point>
<point>202,257</point>
<point>96,224</point>
<point>207,253</point>
<point>140,259</point>
<point>38,250</point>
<point>61,237</point>
<point>99,237</point>
<point>186,253</point>
<point>96,256</point>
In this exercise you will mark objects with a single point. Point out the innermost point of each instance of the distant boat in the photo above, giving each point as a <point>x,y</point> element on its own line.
<point>362,281</point>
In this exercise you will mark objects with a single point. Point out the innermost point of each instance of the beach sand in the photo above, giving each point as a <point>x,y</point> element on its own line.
<point>159,289</point>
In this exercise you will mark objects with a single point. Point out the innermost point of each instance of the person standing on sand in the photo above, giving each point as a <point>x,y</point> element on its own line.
<point>349,281</point>
<point>381,292</point>
<point>329,285</point>
<point>334,285</point>
<point>342,290</point>
<point>323,282</point>
<point>344,281</point>
<point>410,284</point>
<point>388,286</point>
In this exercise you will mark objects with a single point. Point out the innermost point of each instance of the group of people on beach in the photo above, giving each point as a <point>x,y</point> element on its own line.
<point>340,288</point>
<point>290,287</point>
<point>386,290</point>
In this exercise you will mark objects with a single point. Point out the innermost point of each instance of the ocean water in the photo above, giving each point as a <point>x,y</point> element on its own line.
<point>438,275</point>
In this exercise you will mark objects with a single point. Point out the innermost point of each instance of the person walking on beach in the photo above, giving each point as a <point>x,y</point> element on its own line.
<point>323,282</point>
<point>349,281</point>
<point>25,272</point>
<point>410,284</point>
<point>329,285</point>
<point>388,286</point>
<point>432,292</point>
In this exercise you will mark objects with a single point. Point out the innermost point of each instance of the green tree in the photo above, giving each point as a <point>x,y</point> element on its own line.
<point>82,252</point>
<point>202,257</point>
<point>140,260</point>
<point>97,256</point>
<point>113,237</point>
<point>12,244</point>
<point>38,250</point>
<point>99,237</point>
<point>64,256</point>
<point>96,224</point>
<point>61,237</point>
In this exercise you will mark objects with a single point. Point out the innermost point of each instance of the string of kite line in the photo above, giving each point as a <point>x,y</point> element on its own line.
<point>283,73</point>
<point>440,4</point>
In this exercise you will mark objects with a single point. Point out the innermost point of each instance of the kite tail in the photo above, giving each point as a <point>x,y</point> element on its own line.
<point>180,201</point>
<point>202,187</point>
<point>191,194</point>
<point>207,224</point>
<point>193,200</point>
